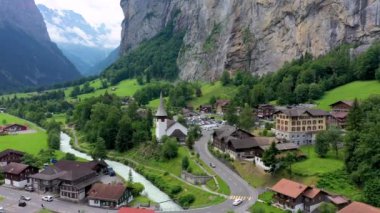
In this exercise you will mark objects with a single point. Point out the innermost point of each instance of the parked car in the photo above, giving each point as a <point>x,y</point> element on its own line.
<point>212,165</point>
<point>237,202</point>
<point>47,198</point>
<point>25,198</point>
<point>21,203</point>
<point>29,188</point>
<point>2,209</point>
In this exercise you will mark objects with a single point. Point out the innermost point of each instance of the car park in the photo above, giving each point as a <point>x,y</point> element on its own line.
<point>237,202</point>
<point>47,198</point>
<point>26,198</point>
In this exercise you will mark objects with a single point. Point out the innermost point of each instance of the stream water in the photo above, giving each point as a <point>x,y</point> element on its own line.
<point>151,191</point>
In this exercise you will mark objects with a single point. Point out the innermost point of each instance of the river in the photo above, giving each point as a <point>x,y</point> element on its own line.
<point>151,191</point>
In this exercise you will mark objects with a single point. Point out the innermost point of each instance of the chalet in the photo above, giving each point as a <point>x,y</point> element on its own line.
<point>339,113</point>
<point>240,144</point>
<point>109,195</point>
<point>359,207</point>
<point>299,125</point>
<point>9,156</point>
<point>265,111</point>
<point>17,174</point>
<point>221,106</point>
<point>293,196</point>
<point>168,127</point>
<point>205,108</point>
<point>69,180</point>
<point>14,128</point>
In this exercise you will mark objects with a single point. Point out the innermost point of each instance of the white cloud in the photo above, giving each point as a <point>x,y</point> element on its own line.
<point>96,12</point>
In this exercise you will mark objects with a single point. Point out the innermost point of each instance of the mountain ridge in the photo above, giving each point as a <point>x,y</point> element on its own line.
<point>258,36</point>
<point>30,58</point>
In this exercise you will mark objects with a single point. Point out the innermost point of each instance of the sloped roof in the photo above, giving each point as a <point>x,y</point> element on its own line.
<point>10,151</point>
<point>295,112</point>
<point>161,112</point>
<point>67,170</point>
<point>311,192</point>
<point>349,103</point>
<point>225,131</point>
<point>359,207</point>
<point>108,192</point>
<point>15,168</point>
<point>178,134</point>
<point>289,188</point>
<point>282,146</point>
<point>337,200</point>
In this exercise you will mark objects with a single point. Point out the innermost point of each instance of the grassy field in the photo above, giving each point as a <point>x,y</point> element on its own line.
<point>202,198</point>
<point>29,143</point>
<point>214,89</point>
<point>265,207</point>
<point>173,166</point>
<point>314,165</point>
<point>357,89</point>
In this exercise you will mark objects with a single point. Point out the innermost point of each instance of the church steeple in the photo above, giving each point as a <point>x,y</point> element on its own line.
<point>161,112</point>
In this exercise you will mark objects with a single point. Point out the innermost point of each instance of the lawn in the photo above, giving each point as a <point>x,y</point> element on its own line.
<point>173,166</point>
<point>265,207</point>
<point>314,165</point>
<point>29,143</point>
<point>357,89</point>
<point>214,89</point>
<point>202,198</point>
<point>140,200</point>
<point>122,89</point>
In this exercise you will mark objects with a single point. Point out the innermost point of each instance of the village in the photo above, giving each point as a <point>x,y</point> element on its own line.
<point>95,184</point>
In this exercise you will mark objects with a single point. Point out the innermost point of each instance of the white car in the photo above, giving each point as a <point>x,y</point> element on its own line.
<point>237,202</point>
<point>2,209</point>
<point>47,198</point>
<point>26,198</point>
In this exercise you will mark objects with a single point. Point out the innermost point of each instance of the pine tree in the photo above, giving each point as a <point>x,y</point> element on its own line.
<point>270,158</point>
<point>246,118</point>
<point>99,151</point>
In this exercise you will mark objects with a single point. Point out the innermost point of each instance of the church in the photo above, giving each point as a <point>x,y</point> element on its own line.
<point>166,126</point>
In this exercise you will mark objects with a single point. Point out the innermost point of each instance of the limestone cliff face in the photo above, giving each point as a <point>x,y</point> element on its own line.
<point>254,35</point>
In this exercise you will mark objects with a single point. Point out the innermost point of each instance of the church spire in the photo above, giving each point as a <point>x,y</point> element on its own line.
<point>161,112</point>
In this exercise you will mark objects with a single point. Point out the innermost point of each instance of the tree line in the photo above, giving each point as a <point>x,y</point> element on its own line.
<point>307,78</point>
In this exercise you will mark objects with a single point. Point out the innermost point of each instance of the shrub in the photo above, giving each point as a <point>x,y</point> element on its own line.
<point>176,189</point>
<point>186,200</point>
<point>137,188</point>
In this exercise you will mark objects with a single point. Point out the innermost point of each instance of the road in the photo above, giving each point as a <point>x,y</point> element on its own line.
<point>12,196</point>
<point>238,186</point>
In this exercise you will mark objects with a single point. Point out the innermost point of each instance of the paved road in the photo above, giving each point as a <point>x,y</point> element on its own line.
<point>11,198</point>
<point>238,186</point>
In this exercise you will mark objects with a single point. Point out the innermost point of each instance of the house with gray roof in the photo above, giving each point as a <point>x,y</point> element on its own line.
<point>70,180</point>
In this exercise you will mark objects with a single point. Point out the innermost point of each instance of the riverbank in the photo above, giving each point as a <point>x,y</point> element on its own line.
<point>151,191</point>
<point>166,175</point>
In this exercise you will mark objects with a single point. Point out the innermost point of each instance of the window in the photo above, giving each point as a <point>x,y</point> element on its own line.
<point>96,201</point>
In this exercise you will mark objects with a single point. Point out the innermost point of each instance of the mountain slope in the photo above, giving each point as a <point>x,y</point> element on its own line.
<point>81,42</point>
<point>28,57</point>
<point>253,35</point>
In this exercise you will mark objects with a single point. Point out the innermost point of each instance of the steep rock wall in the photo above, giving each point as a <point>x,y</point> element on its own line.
<point>254,35</point>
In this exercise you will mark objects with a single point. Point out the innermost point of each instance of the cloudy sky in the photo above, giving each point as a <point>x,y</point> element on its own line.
<point>96,12</point>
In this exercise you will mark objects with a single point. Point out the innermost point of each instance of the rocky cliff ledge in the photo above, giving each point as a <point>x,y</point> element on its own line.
<point>255,35</point>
